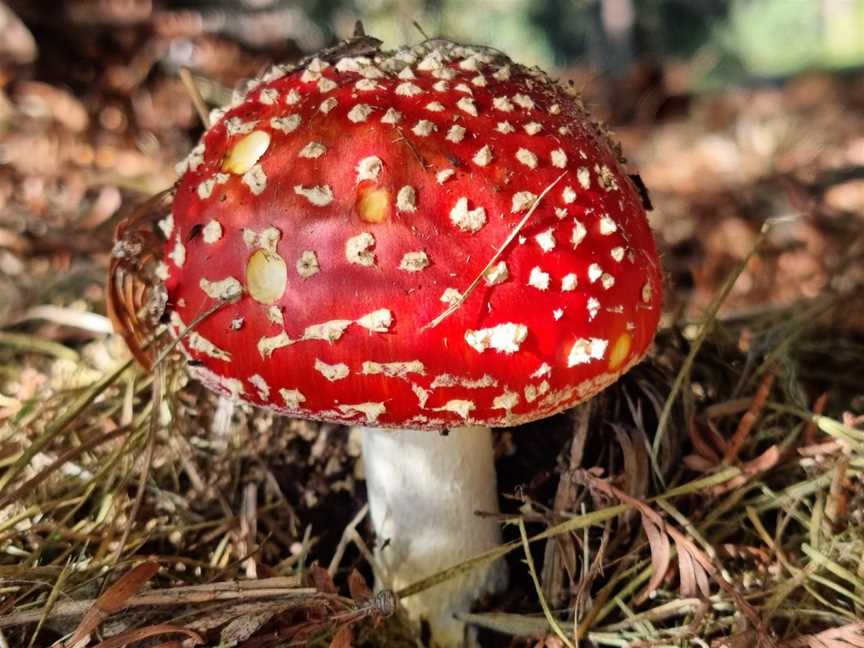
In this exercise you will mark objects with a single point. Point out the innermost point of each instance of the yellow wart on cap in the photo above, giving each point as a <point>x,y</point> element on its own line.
<point>246,152</point>
<point>620,351</point>
<point>266,276</point>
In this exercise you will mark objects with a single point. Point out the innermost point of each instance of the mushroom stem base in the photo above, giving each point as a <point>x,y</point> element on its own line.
<point>424,489</point>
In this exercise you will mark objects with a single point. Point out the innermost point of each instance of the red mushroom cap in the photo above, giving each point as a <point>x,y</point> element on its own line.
<point>342,206</point>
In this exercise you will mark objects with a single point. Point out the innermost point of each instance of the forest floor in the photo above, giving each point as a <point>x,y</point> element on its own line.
<point>736,449</point>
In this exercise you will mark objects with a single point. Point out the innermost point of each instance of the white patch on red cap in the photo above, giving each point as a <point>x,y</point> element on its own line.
<point>449,380</point>
<point>258,382</point>
<point>358,249</point>
<point>504,338</point>
<point>227,288</point>
<point>559,158</point>
<point>199,343</point>
<point>274,314</point>
<point>212,232</point>
<point>546,240</point>
<point>523,101</point>
<point>450,296</point>
<point>255,179</point>
<point>406,199</point>
<point>593,307</point>
<point>522,200</point>
<point>502,103</point>
<point>467,105</point>
<point>435,106</point>
<point>467,220</point>
<point>327,331</point>
<point>307,264</point>
<point>392,116</point>
<point>378,321</point>
<point>421,394</point>
<point>326,84</point>
<point>497,274</point>
<point>328,104</point>
<point>569,282</point>
<point>393,369</point>
<point>647,292</point>
<point>579,233</point>
<point>538,279</point>
<point>443,175</point>
<point>408,89</point>
<point>178,254</point>
<point>504,127</point>
<point>532,128</point>
<point>483,156</point>
<point>607,280</point>
<point>568,195</point>
<point>366,85</point>
<point>313,150</point>
<point>543,370</point>
<point>369,168</point>
<point>414,261</point>
<point>594,272</point>
<point>458,406</point>
<point>527,158</point>
<point>292,97</point>
<point>359,113</point>
<point>205,188</point>
<point>532,392</point>
<point>502,73</point>
<point>617,253</point>
<point>332,372</point>
<point>293,398</point>
<point>236,126</point>
<point>267,345</point>
<point>319,195</point>
<point>370,410</point>
<point>424,128</point>
<point>455,134</point>
<point>584,177</point>
<point>167,226</point>
<point>607,225</point>
<point>287,124</point>
<point>584,350</point>
<point>506,401</point>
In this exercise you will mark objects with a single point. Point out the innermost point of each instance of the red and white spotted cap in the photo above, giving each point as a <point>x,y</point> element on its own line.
<point>342,206</point>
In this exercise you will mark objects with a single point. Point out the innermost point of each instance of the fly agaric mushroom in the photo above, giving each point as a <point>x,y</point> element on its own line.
<point>433,238</point>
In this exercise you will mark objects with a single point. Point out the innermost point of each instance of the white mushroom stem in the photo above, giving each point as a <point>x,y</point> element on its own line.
<point>424,489</point>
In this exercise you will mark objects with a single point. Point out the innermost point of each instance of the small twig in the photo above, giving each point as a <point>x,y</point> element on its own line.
<point>156,407</point>
<point>464,296</point>
<point>278,587</point>
<point>420,29</point>
<point>345,539</point>
<point>745,426</point>
<point>195,96</point>
<point>550,618</point>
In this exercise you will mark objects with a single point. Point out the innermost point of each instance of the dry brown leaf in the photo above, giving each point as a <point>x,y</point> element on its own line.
<point>138,634</point>
<point>114,599</point>
<point>242,627</point>
<point>358,587</point>
<point>321,580</point>
<point>661,556</point>
<point>846,636</point>
<point>343,638</point>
